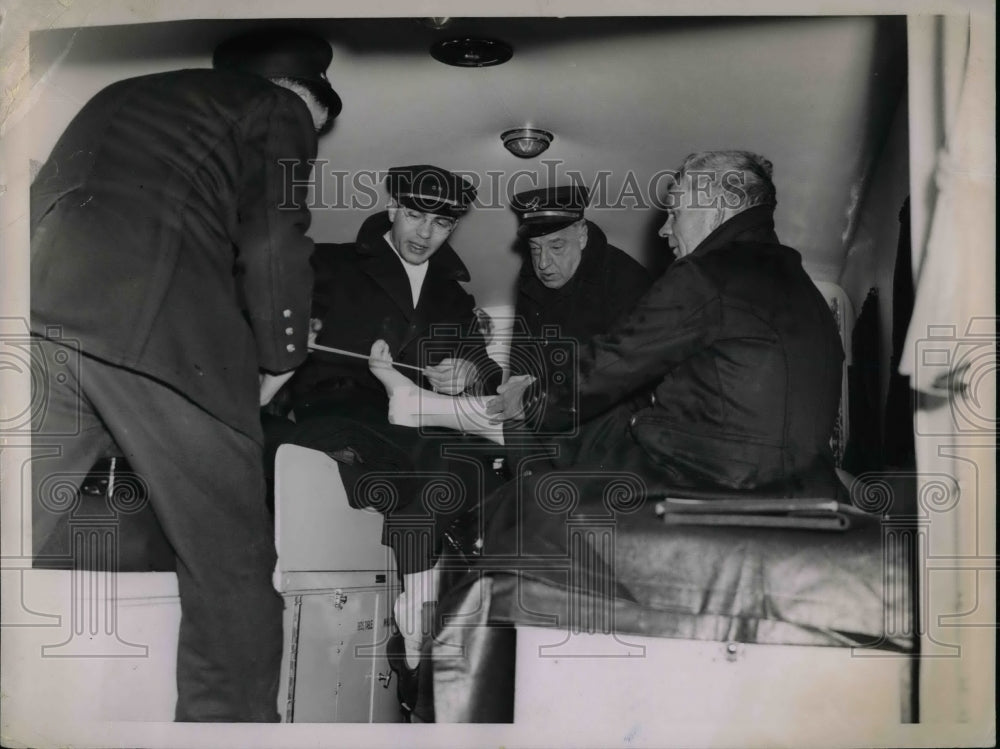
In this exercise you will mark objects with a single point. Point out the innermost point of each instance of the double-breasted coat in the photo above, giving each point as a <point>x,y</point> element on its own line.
<point>168,246</point>
<point>168,234</point>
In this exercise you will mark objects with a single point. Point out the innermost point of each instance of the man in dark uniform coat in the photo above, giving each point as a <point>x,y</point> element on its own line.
<point>739,345</point>
<point>169,266</point>
<point>573,284</point>
<point>401,282</point>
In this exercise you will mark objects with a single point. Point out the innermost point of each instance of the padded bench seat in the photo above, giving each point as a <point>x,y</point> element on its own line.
<point>752,585</point>
<point>730,585</point>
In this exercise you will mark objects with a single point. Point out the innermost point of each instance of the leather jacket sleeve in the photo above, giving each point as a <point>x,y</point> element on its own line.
<point>675,318</point>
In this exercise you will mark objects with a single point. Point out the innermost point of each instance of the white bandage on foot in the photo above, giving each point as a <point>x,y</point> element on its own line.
<point>403,406</point>
<point>415,407</point>
<point>412,406</point>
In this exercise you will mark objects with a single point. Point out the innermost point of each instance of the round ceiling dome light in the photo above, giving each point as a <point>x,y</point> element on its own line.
<point>471,52</point>
<point>526,142</point>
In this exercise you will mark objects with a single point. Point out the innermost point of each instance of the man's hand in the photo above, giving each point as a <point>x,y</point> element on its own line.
<point>315,326</point>
<point>270,384</point>
<point>451,376</point>
<point>509,401</point>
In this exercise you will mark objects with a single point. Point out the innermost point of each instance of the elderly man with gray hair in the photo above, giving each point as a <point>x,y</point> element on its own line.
<point>739,346</point>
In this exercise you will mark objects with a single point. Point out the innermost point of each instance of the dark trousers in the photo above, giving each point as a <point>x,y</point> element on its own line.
<point>206,486</point>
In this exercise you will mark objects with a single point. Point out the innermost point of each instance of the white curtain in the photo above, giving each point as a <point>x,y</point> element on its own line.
<point>951,358</point>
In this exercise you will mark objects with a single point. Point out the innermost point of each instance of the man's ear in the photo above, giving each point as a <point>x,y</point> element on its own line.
<point>391,210</point>
<point>721,214</point>
<point>584,231</point>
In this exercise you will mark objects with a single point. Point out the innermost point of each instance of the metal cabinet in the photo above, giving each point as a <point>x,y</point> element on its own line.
<point>334,667</point>
<point>338,583</point>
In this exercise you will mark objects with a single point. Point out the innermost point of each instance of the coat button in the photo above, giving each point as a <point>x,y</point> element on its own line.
<point>289,331</point>
<point>290,348</point>
<point>631,421</point>
<point>287,313</point>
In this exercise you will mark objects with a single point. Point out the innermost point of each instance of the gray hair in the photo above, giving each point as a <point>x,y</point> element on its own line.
<point>743,178</point>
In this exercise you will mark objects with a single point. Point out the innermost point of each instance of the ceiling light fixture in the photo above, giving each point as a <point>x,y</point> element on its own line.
<point>526,142</point>
<point>471,52</point>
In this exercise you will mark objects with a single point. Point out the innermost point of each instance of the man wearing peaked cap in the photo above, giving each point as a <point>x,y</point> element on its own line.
<point>400,281</point>
<point>431,189</point>
<point>284,56</point>
<point>546,210</point>
<point>572,282</point>
<point>160,290</point>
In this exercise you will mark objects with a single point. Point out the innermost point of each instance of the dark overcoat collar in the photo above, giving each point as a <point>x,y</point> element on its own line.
<point>379,261</point>
<point>752,225</point>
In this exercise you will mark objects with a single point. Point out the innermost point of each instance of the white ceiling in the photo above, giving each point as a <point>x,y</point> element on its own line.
<point>628,96</point>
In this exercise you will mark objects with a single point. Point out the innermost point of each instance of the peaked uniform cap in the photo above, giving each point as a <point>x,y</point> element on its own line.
<point>543,211</point>
<point>431,189</point>
<point>282,54</point>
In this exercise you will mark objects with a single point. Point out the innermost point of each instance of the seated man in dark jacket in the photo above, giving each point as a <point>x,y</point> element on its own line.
<point>738,344</point>
<point>399,282</point>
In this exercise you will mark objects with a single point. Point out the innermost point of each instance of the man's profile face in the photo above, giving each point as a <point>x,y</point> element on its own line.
<point>556,256</point>
<point>692,217</point>
<point>418,235</point>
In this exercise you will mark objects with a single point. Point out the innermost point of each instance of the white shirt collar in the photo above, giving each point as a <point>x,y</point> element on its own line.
<point>415,273</point>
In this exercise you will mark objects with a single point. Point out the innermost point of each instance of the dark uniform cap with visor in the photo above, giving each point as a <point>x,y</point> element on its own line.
<point>430,189</point>
<point>549,209</point>
<point>282,53</point>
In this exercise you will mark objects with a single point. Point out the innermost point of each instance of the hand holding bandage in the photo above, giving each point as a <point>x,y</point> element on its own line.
<point>452,376</point>
<point>508,404</point>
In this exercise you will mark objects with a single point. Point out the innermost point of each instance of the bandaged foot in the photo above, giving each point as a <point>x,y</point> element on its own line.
<point>412,406</point>
<point>380,364</point>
